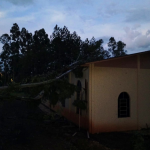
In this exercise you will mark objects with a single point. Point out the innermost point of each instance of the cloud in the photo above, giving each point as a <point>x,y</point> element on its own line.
<point>143,41</point>
<point>131,33</point>
<point>148,33</point>
<point>87,1</point>
<point>103,19</point>
<point>2,14</point>
<point>135,40</point>
<point>19,2</point>
<point>79,1</point>
<point>110,10</point>
<point>82,31</point>
<point>138,15</point>
<point>57,16</point>
<point>135,26</point>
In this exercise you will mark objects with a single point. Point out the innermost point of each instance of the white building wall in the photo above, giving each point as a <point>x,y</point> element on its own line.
<point>108,83</point>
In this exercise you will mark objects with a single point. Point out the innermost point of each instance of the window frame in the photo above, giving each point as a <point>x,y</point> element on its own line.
<point>123,105</point>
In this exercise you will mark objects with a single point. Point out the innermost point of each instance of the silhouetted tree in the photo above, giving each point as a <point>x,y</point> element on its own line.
<point>120,49</point>
<point>116,48</point>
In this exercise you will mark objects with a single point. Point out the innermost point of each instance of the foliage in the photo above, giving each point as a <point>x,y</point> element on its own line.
<point>80,104</point>
<point>138,141</point>
<point>116,48</point>
<point>31,58</point>
<point>58,91</point>
<point>78,72</point>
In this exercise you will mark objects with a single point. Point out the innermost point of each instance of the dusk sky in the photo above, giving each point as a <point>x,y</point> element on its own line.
<point>128,21</point>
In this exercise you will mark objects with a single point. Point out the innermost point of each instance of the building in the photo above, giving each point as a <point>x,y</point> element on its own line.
<point>117,94</point>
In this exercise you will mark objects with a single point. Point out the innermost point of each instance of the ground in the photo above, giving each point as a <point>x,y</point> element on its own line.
<point>23,127</point>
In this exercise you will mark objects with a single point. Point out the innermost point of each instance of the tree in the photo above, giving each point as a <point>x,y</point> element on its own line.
<point>92,50</point>
<point>65,47</point>
<point>24,55</point>
<point>39,63</point>
<point>11,53</point>
<point>116,48</point>
<point>120,49</point>
<point>112,46</point>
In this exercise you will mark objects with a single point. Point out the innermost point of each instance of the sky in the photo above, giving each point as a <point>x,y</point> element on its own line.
<point>128,21</point>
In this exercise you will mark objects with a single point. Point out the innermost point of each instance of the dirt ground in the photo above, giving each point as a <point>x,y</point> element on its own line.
<point>23,127</point>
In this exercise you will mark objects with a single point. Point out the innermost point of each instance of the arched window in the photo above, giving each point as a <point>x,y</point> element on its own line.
<point>123,105</point>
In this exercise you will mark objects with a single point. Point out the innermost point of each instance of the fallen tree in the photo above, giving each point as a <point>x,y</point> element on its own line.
<point>35,66</point>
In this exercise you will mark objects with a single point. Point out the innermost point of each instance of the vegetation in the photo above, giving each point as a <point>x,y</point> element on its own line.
<point>116,48</point>
<point>29,58</point>
<point>80,104</point>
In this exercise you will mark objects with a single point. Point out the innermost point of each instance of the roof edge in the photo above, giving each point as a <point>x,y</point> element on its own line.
<point>114,58</point>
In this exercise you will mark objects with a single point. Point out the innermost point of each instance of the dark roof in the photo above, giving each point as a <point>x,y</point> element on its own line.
<point>114,58</point>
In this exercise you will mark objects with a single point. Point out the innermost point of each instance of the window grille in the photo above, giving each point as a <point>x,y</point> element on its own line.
<point>123,105</point>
